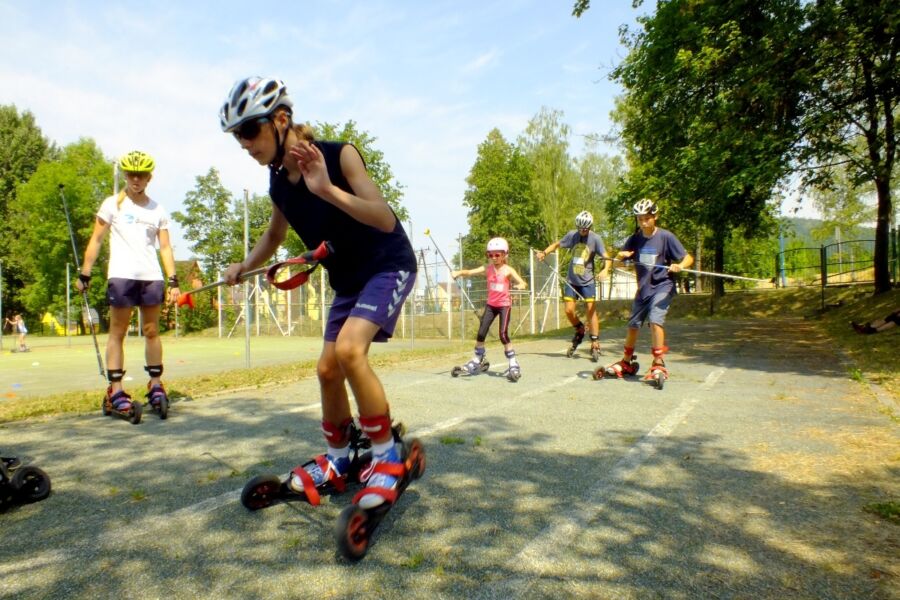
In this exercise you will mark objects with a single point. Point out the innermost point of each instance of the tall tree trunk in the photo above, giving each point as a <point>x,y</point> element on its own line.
<point>882,236</point>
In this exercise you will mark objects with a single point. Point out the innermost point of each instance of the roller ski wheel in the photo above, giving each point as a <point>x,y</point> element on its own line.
<point>570,352</point>
<point>514,374</point>
<point>31,484</point>
<point>262,492</point>
<point>132,413</point>
<point>356,525</point>
<point>158,401</point>
<point>595,354</point>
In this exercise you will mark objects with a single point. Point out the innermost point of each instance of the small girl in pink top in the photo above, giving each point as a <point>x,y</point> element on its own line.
<point>498,275</point>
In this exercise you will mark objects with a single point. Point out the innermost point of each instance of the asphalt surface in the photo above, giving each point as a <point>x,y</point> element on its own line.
<point>556,486</point>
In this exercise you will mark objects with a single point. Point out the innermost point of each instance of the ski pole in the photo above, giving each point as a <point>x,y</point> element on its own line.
<point>310,258</point>
<point>446,262</point>
<point>694,271</point>
<point>84,295</point>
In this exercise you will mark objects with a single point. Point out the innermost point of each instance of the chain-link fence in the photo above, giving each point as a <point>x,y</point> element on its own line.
<point>438,307</point>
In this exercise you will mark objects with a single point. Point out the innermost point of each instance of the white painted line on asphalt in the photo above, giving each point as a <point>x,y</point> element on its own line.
<point>544,551</point>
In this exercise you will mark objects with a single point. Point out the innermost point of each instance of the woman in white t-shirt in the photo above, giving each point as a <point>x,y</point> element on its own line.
<point>136,224</point>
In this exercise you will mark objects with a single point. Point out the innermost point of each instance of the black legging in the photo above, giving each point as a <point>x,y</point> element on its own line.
<point>490,313</point>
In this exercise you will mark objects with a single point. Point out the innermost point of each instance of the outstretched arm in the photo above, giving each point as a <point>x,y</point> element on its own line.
<point>467,272</point>
<point>551,248</point>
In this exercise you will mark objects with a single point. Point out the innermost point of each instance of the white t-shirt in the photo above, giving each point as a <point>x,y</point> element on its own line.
<point>133,234</point>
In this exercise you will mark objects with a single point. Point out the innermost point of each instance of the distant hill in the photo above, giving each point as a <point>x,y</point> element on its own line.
<point>802,229</point>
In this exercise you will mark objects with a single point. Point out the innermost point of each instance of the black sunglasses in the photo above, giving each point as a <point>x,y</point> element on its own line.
<point>248,130</point>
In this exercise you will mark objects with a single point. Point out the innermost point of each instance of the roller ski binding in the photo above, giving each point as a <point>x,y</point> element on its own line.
<point>264,491</point>
<point>158,400</point>
<point>357,524</point>
<point>119,404</point>
<point>658,373</point>
<point>618,369</point>
<point>21,484</point>
<point>473,367</point>
<point>576,339</point>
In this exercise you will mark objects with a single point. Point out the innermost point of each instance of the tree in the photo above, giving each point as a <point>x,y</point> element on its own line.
<point>853,96</point>
<point>710,111</point>
<point>24,147</point>
<point>209,223</point>
<point>599,178</point>
<point>554,182</point>
<point>43,246</point>
<point>500,200</point>
<point>842,204</point>
<point>379,169</point>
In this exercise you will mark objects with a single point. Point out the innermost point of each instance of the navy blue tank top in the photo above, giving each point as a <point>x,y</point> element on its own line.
<point>360,251</point>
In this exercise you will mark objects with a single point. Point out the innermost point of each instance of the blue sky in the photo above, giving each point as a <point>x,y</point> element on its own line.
<point>428,79</point>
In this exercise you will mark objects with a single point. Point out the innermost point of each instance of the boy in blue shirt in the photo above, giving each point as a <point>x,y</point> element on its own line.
<point>659,255</point>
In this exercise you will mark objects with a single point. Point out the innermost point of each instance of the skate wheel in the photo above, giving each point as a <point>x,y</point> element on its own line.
<point>352,532</point>
<point>455,371</point>
<point>637,366</point>
<point>261,492</point>
<point>513,376</point>
<point>570,352</point>
<point>660,379</point>
<point>104,406</point>
<point>163,409</point>
<point>31,484</point>
<point>599,373</point>
<point>137,409</point>
<point>483,367</point>
<point>595,355</point>
<point>415,459</point>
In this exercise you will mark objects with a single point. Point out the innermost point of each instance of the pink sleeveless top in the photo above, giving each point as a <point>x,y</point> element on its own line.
<point>498,288</point>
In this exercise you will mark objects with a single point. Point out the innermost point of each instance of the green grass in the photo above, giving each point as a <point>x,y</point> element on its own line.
<point>889,511</point>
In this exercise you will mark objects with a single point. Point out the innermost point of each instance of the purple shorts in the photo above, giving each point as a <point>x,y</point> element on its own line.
<point>379,301</point>
<point>125,293</point>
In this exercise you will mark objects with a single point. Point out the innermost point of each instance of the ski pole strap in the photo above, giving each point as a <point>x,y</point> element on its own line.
<point>311,258</point>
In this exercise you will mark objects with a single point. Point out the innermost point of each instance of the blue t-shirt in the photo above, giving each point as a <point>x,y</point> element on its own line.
<point>585,249</point>
<point>360,251</point>
<point>661,248</point>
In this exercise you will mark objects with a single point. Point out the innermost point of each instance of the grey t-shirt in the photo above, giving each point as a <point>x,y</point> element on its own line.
<point>584,250</point>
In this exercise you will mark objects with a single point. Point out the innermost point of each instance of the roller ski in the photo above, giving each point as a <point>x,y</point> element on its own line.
<point>158,401</point>
<point>390,476</point>
<point>658,373</point>
<point>595,348</point>
<point>514,372</point>
<point>119,404</point>
<point>476,365</point>
<point>21,484</point>
<point>619,369</point>
<point>576,340</point>
<point>322,475</point>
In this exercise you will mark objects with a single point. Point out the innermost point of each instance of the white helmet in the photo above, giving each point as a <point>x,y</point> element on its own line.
<point>498,244</point>
<point>584,220</point>
<point>251,98</point>
<point>645,206</point>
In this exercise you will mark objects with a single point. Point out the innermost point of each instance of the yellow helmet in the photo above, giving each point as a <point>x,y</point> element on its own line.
<point>137,162</point>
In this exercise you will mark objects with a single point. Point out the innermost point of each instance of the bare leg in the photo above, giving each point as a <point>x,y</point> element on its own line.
<point>352,351</point>
<point>152,342</point>
<point>119,318</point>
